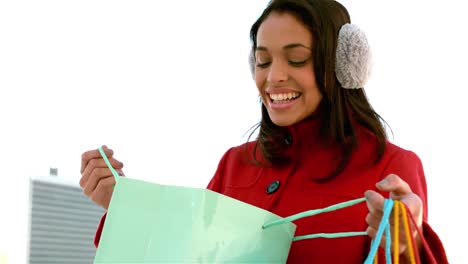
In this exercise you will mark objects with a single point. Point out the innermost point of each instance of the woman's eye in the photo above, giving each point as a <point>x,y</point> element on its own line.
<point>290,62</point>
<point>297,63</point>
<point>263,65</point>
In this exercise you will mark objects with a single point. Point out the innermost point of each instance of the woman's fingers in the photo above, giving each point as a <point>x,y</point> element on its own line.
<point>87,156</point>
<point>97,180</point>
<point>394,185</point>
<point>103,192</point>
<point>96,176</point>
<point>96,164</point>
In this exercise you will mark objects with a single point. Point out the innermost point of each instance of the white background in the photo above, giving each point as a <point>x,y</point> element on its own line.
<point>166,84</point>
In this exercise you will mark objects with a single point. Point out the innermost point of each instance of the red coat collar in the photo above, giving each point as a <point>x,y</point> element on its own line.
<point>308,147</point>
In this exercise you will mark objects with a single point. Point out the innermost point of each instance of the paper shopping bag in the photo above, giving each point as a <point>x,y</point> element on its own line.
<point>153,223</point>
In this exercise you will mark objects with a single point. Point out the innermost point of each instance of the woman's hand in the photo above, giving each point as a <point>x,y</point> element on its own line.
<point>97,180</point>
<point>399,190</point>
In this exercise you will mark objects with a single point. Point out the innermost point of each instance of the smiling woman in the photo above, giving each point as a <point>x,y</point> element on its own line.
<point>139,77</point>
<point>319,142</point>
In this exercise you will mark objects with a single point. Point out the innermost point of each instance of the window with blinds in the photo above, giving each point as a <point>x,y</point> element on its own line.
<point>62,223</point>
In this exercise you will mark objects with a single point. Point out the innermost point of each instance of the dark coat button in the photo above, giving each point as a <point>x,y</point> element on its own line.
<point>273,187</point>
<point>288,139</point>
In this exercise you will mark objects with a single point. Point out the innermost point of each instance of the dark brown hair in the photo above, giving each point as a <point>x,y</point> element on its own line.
<point>340,109</point>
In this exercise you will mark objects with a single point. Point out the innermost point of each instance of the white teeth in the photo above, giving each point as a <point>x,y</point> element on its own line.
<point>284,96</point>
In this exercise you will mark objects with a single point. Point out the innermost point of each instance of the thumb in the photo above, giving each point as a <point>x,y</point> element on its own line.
<point>394,184</point>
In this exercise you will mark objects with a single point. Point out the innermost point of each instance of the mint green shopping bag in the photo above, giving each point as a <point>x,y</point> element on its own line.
<point>152,223</point>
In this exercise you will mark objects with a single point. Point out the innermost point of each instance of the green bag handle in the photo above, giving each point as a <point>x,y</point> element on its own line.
<point>286,219</point>
<point>316,212</point>
<point>106,160</point>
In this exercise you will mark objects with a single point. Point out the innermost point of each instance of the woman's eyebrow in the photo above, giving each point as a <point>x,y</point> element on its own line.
<point>296,45</point>
<point>289,46</point>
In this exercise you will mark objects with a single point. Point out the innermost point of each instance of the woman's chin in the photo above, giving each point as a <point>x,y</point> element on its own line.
<point>283,121</point>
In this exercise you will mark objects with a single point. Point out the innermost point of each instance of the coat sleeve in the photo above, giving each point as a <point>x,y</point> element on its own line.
<point>408,167</point>
<point>97,235</point>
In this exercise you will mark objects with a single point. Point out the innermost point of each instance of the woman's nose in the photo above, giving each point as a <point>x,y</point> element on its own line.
<point>277,72</point>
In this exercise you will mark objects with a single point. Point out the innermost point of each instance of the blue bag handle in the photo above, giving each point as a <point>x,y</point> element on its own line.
<point>384,226</point>
<point>316,212</point>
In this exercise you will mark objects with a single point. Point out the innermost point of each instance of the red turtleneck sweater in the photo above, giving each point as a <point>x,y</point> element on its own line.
<point>298,191</point>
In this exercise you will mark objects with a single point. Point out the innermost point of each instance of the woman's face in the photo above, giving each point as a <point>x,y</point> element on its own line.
<point>284,71</point>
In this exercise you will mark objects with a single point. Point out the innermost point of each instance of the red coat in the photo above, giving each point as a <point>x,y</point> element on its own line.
<point>297,192</point>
